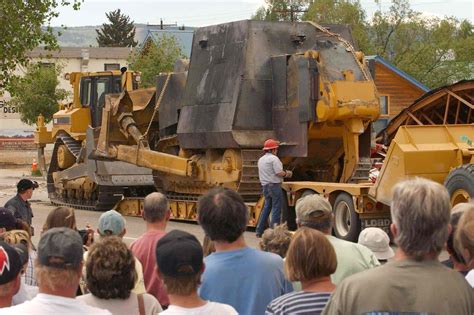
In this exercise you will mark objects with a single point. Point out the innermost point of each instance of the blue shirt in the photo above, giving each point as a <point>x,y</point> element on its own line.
<point>247,279</point>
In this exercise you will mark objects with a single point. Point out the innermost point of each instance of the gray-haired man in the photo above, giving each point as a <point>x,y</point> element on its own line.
<point>414,282</point>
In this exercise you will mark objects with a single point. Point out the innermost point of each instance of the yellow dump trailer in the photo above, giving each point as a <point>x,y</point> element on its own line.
<point>442,153</point>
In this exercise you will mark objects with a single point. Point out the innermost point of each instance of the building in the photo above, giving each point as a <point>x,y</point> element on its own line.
<point>397,89</point>
<point>16,135</point>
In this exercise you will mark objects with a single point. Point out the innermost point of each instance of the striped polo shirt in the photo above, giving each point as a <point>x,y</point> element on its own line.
<point>299,303</point>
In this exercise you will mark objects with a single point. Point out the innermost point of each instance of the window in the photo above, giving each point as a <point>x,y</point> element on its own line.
<point>86,91</point>
<point>384,106</point>
<point>382,122</point>
<point>101,90</point>
<point>111,66</point>
<point>47,64</point>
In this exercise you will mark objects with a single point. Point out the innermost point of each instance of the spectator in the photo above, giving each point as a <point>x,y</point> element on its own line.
<point>276,240</point>
<point>111,276</point>
<point>179,258</point>
<point>65,217</point>
<point>7,221</point>
<point>378,242</point>
<point>58,270</point>
<point>112,223</point>
<point>245,278</point>
<point>455,260</point>
<point>156,214</point>
<point>22,237</point>
<point>311,260</point>
<point>19,205</point>
<point>464,240</point>
<point>19,240</point>
<point>414,282</point>
<point>10,270</point>
<point>270,174</point>
<point>315,212</point>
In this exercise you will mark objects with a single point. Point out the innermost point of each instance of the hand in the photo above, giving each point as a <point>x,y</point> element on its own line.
<point>288,174</point>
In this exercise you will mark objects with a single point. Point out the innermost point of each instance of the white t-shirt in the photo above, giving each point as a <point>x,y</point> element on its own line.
<point>46,304</point>
<point>210,308</point>
<point>25,293</point>
<point>470,277</point>
<point>125,307</point>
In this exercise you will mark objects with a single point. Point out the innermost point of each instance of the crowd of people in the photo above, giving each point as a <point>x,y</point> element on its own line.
<point>306,272</point>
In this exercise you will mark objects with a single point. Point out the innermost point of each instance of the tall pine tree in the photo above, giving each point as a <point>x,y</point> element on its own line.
<point>119,33</point>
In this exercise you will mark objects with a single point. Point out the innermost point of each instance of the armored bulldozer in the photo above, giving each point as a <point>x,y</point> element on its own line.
<point>301,83</point>
<point>75,177</point>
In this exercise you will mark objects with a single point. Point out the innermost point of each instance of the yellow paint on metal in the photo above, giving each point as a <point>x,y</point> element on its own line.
<point>425,151</point>
<point>65,157</point>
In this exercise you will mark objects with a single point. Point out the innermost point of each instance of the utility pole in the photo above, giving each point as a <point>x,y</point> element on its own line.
<point>293,10</point>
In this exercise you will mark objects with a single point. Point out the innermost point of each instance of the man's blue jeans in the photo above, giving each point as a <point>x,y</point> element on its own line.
<point>273,197</point>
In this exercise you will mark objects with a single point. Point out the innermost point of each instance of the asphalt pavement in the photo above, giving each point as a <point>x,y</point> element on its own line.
<point>41,207</point>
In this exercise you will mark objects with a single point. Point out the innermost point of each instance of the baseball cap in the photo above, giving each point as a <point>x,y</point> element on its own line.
<point>377,241</point>
<point>25,184</point>
<point>313,207</point>
<point>179,253</point>
<point>7,220</point>
<point>60,248</point>
<point>10,264</point>
<point>111,221</point>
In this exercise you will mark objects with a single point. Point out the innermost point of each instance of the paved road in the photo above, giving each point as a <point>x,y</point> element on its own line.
<point>41,207</point>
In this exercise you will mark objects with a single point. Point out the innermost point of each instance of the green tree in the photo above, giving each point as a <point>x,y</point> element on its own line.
<point>154,58</point>
<point>119,33</point>
<point>26,25</point>
<point>434,51</point>
<point>36,93</point>
<point>348,12</point>
<point>281,10</point>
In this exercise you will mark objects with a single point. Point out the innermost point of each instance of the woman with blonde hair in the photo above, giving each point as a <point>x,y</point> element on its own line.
<point>310,259</point>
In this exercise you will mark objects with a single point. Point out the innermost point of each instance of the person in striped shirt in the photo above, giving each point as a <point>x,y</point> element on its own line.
<point>310,259</point>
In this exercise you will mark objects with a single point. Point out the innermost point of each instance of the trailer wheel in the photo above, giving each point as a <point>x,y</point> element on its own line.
<point>460,184</point>
<point>346,220</point>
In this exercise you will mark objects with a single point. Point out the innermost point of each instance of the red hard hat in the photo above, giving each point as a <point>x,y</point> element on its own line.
<point>270,144</point>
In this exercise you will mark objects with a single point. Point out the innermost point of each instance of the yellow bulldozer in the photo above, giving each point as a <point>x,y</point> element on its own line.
<point>74,177</point>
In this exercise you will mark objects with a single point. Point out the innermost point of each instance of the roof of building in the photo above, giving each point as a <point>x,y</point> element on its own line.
<point>399,72</point>
<point>184,37</point>
<point>79,52</point>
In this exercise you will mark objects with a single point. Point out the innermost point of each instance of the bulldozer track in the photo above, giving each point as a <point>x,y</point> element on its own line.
<point>105,197</point>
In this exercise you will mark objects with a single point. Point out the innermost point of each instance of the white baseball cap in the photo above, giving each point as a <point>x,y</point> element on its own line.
<point>377,241</point>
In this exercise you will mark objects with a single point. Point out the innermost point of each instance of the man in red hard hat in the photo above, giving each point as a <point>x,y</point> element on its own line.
<point>271,173</point>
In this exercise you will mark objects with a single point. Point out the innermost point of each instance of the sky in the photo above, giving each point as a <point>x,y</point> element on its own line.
<point>209,12</point>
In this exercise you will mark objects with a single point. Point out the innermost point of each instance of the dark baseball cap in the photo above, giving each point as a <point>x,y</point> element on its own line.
<point>25,184</point>
<point>7,220</point>
<point>10,263</point>
<point>60,248</point>
<point>179,253</point>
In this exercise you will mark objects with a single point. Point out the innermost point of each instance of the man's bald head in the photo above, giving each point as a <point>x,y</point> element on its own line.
<point>155,207</point>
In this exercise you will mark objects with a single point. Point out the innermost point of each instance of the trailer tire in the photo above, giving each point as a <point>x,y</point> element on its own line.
<point>346,221</point>
<point>460,184</point>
